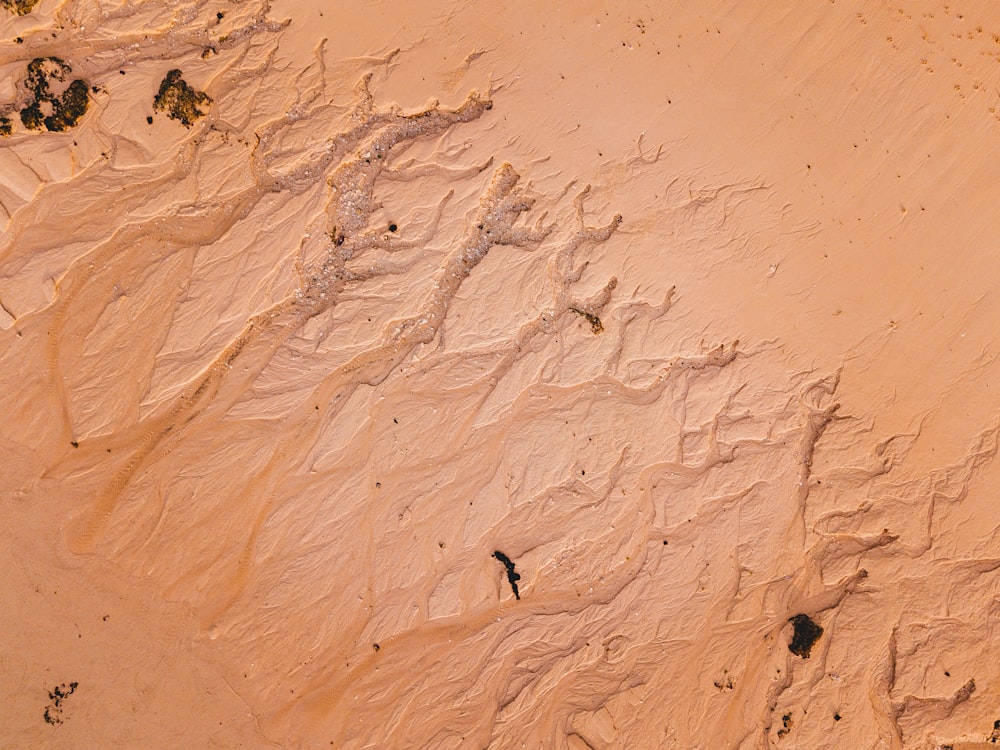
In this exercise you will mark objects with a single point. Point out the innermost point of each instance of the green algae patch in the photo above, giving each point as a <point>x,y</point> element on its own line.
<point>20,7</point>
<point>48,109</point>
<point>180,101</point>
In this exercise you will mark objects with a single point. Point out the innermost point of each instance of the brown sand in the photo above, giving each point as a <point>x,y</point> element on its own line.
<point>677,319</point>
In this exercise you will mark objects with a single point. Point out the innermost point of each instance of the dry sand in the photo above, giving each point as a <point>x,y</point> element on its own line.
<point>447,375</point>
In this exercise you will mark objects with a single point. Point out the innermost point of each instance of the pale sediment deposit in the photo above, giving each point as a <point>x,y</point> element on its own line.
<point>454,375</point>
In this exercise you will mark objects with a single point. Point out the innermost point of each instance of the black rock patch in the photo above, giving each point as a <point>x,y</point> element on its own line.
<point>51,109</point>
<point>180,101</point>
<point>20,7</point>
<point>58,695</point>
<point>512,577</point>
<point>805,636</point>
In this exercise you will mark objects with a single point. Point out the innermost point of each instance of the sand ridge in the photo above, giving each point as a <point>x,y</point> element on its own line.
<point>446,375</point>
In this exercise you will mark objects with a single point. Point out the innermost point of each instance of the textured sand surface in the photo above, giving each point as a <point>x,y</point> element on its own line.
<point>499,375</point>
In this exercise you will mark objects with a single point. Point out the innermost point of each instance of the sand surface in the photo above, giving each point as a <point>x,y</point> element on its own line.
<point>499,375</point>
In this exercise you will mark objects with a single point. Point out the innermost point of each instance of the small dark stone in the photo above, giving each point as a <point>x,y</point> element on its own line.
<point>393,227</point>
<point>150,121</point>
<point>786,725</point>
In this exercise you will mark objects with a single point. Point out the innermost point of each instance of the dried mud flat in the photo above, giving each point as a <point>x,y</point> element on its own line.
<point>441,375</point>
